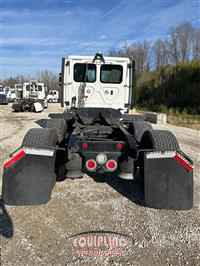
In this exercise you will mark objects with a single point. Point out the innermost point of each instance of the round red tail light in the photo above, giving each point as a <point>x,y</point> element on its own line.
<point>85,145</point>
<point>119,146</point>
<point>91,164</point>
<point>111,165</point>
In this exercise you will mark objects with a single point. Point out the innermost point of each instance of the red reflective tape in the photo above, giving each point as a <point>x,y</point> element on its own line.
<point>14,159</point>
<point>183,163</point>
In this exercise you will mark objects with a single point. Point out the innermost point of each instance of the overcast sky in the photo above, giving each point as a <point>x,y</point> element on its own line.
<point>36,34</point>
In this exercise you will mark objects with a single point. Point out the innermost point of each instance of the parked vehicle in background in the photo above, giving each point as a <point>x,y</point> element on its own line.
<point>18,87</point>
<point>53,96</point>
<point>7,89</point>
<point>34,89</point>
<point>3,96</point>
<point>32,97</point>
<point>3,99</point>
<point>12,95</point>
<point>3,90</point>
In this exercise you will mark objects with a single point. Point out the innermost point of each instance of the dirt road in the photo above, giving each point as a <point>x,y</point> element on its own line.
<point>39,235</point>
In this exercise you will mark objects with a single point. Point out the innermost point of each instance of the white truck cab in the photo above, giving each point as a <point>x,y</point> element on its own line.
<point>52,96</point>
<point>12,95</point>
<point>34,89</point>
<point>88,81</point>
<point>4,90</point>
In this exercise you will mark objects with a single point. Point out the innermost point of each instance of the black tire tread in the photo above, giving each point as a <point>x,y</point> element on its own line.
<point>162,140</point>
<point>40,138</point>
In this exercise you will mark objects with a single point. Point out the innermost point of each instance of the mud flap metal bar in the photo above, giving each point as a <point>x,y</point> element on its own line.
<point>168,180</point>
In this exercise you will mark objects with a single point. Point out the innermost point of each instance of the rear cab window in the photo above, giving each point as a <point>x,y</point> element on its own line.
<point>111,74</point>
<point>84,72</point>
<point>27,88</point>
<point>39,88</point>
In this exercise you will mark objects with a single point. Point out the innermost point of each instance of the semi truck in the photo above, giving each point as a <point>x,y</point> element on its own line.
<point>96,135</point>
<point>53,96</point>
<point>31,97</point>
<point>3,95</point>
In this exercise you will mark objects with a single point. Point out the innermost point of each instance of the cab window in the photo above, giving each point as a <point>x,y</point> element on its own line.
<point>39,88</point>
<point>111,74</point>
<point>84,72</point>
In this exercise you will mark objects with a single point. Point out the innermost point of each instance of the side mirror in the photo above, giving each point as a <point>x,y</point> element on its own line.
<point>60,79</point>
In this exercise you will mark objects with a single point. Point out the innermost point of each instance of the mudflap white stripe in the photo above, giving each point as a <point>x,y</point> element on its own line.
<point>38,151</point>
<point>160,155</point>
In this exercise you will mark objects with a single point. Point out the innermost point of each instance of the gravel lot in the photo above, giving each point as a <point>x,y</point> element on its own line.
<point>39,235</point>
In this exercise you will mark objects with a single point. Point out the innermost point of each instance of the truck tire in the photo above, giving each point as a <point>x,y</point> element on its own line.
<point>137,129</point>
<point>32,108</point>
<point>40,138</point>
<point>162,140</point>
<point>59,125</point>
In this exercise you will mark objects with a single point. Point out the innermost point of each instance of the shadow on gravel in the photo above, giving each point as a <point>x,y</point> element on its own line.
<point>131,189</point>
<point>6,224</point>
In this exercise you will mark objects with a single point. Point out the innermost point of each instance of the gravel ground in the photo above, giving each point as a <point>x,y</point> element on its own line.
<point>39,235</point>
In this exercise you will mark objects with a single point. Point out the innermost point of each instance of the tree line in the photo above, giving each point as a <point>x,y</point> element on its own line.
<point>167,70</point>
<point>182,44</point>
<point>45,76</point>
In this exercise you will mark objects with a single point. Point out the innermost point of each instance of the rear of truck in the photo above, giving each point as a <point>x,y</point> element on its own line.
<point>99,140</point>
<point>68,147</point>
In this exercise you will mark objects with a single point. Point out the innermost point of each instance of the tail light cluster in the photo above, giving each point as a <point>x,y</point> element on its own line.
<point>91,164</point>
<point>111,165</point>
<point>101,159</point>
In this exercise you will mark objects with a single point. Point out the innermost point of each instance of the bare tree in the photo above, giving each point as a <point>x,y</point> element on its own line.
<point>185,33</point>
<point>161,53</point>
<point>180,42</point>
<point>117,53</point>
<point>49,78</point>
<point>10,82</point>
<point>140,52</point>
<point>196,44</point>
<point>174,46</point>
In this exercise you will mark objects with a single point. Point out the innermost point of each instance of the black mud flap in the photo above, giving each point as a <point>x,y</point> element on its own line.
<point>29,178</point>
<point>168,180</point>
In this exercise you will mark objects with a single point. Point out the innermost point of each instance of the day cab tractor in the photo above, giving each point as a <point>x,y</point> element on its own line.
<point>52,96</point>
<point>31,97</point>
<point>96,135</point>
